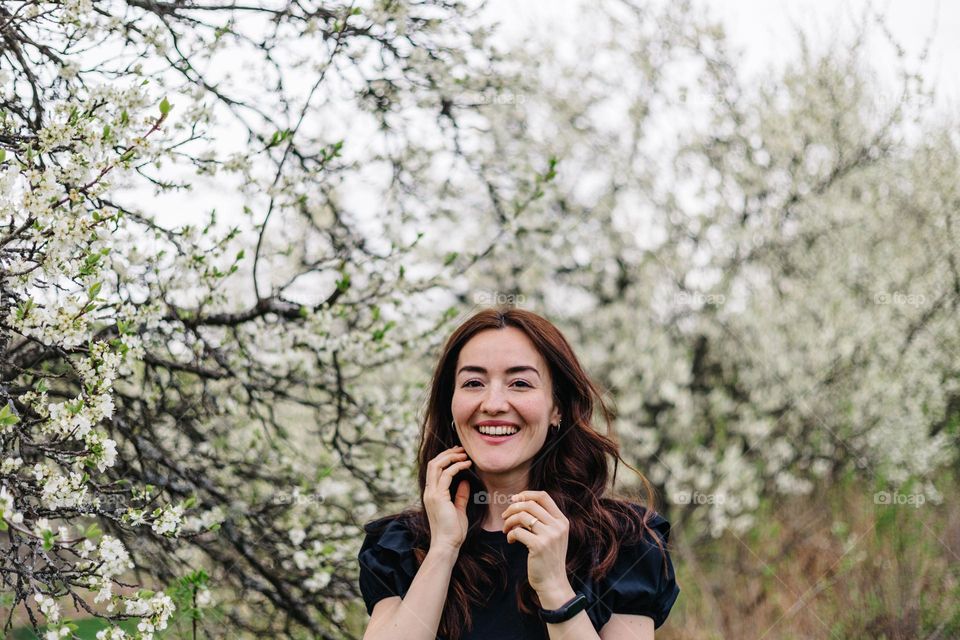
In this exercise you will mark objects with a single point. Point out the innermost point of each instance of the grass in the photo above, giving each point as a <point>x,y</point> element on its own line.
<point>833,564</point>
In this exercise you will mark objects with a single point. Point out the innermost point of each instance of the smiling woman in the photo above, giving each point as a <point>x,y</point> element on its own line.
<point>518,535</point>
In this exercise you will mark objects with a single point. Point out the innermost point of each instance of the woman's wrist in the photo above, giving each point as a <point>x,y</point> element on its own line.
<point>555,596</point>
<point>444,551</point>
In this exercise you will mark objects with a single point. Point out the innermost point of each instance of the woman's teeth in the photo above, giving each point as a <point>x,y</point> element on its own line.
<point>498,431</point>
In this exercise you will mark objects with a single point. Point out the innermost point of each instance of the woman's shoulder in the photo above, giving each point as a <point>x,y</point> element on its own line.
<point>391,532</point>
<point>631,516</point>
<point>642,579</point>
<point>387,560</point>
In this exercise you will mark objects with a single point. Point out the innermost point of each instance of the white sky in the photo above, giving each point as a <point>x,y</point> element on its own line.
<point>762,29</point>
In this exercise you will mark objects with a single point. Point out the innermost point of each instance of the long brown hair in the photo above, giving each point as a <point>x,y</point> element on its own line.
<point>573,471</point>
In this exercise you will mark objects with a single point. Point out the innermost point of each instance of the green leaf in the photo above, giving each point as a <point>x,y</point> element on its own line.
<point>3,155</point>
<point>379,333</point>
<point>450,258</point>
<point>94,290</point>
<point>93,531</point>
<point>23,309</point>
<point>7,416</point>
<point>48,540</point>
<point>551,173</point>
<point>164,107</point>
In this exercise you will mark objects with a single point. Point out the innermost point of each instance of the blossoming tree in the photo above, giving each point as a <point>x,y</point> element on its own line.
<point>197,307</point>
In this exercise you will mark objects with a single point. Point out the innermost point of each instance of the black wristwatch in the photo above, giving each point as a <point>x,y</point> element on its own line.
<point>572,607</point>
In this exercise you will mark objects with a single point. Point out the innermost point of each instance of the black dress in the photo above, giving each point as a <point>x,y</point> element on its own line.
<point>635,585</point>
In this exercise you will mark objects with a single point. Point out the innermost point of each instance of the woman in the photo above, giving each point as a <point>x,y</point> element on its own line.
<point>516,537</point>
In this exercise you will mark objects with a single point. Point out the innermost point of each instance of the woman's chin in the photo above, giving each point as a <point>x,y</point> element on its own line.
<point>494,461</point>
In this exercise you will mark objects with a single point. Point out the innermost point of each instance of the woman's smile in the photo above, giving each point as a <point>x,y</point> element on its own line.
<point>498,438</point>
<point>497,432</point>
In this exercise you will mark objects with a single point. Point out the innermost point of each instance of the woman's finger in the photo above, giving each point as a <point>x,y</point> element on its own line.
<point>522,535</point>
<point>523,513</point>
<point>435,466</point>
<point>543,499</point>
<point>446,478</point>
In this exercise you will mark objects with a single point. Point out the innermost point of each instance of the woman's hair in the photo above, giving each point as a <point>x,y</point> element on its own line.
<point>572,467</point>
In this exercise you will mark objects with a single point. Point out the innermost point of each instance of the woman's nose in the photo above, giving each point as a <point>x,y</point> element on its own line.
<point>494,400</point>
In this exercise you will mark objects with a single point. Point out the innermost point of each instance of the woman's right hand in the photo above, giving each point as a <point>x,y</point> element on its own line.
<point>448,519</point>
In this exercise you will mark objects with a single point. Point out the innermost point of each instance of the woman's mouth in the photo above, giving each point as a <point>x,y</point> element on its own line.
<point>497,434</point>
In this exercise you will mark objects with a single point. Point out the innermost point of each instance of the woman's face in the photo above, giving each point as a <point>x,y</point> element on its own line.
<point>500,376</point>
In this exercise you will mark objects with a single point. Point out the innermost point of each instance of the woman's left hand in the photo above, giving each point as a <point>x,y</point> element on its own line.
<point>547,542</point>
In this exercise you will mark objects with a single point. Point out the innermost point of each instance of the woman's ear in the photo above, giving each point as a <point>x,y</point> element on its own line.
<point>555,415</point>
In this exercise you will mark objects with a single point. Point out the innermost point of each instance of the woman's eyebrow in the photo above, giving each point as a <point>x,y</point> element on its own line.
<point>516,369</point>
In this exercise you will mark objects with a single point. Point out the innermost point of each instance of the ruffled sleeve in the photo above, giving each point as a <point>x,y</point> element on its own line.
<point>387,561</point>
<point>637,583</point>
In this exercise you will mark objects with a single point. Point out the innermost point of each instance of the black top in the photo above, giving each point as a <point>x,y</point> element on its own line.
<point>635,585</point>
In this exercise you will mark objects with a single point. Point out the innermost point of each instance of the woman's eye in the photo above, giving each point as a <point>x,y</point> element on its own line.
<point>468,383</point>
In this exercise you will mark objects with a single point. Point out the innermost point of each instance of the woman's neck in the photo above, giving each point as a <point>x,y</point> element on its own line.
<point>500,487</point>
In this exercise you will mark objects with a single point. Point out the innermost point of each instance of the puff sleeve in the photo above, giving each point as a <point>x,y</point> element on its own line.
<point>387,561</point>
<point>637,583</point>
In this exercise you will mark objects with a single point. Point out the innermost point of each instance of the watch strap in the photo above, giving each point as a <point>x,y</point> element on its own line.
<point>572,607</point>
